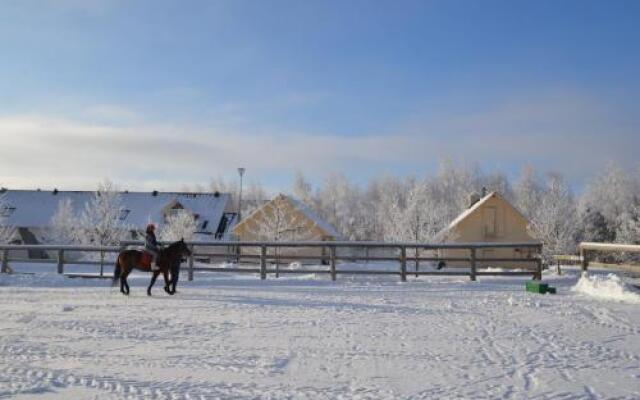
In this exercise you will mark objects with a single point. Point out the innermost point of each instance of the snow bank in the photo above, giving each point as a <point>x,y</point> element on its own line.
<point>609,287</point>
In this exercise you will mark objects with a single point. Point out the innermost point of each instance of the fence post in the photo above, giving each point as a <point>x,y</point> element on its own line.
<point>472,260</point>
<point>60,261</point>
<point>191,264</point>
<point>5,261</point>
<point>403,263</point>
<point>538,275</point>
<point>263,262</point>
<point>583,259</point>
<point>332,254</point>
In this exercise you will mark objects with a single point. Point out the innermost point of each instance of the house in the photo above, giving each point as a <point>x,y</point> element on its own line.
<point>490,219</point>
<point>285,219</point>
<point>31,211</point>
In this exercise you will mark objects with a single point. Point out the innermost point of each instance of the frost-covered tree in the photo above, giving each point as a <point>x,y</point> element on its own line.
<point>554,223</point>
<point>64,224</point>
<point>629,225</point>
<point>609,195</point>
<point>527,192</point>
<point>100,222</point>
<point>498,182</point>
<point>302,190</point>
<point>415,221</point>
<point>339,203</point>
<point>452,186</point>
<point>180,225</point>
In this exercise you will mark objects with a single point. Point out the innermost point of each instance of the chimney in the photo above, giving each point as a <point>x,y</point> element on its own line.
<point>484,191</point>
<point>55,192</point>
<point>154,193</point>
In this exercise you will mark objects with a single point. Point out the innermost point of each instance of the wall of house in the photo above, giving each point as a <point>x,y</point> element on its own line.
<point>495,221</point>
<point>249,230</point>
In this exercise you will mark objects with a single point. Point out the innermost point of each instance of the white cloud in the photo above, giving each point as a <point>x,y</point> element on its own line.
<point>566,133</point>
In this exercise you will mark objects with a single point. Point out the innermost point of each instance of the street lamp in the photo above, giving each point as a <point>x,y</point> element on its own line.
<point>241,172</point>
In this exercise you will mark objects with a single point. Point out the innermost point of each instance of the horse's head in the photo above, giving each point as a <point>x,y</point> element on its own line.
<point>177,250</point>
<point>183,248</point>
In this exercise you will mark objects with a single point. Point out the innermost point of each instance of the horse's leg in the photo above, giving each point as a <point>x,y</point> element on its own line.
<point>153,281</point>
<point>165,274</point>
<point>175,273</point>
<point>126,284</point>
<point>123,281</point>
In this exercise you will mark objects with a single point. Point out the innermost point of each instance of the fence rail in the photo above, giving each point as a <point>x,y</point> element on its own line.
<point>587,248</point>
<point>329,255</point>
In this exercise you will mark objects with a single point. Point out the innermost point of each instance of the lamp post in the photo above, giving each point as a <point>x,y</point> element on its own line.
<point>241,172</point>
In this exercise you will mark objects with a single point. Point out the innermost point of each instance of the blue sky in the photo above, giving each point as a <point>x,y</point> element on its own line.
<point>159,94</point>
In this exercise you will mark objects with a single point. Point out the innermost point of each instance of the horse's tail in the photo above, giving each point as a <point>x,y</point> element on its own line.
<point>117,271</point>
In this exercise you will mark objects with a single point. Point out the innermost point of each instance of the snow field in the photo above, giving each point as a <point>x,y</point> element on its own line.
<point>227,336</point>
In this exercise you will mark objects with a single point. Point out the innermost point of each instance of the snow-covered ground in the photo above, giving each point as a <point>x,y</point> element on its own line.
<point>230,336</point>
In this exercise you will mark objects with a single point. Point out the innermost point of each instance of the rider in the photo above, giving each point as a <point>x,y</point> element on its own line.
<point>151,246</point>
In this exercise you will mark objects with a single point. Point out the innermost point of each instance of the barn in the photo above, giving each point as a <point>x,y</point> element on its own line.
<point>285,218</point>
<point>490,219</point>
<point>30,212</point>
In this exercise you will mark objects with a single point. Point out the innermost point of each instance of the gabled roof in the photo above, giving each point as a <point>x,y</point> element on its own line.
<point>303,209</point>
<point>466,213</point>
<point>35,208</point>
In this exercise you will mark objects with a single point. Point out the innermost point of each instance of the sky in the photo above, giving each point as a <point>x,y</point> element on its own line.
<point>165,94</point>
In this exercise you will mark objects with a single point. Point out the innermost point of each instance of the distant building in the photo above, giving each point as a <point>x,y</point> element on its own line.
<point>285,219</point>
<point>489,219</point>
<point>31,211</point>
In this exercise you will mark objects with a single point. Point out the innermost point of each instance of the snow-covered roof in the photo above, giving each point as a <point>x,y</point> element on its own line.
<point>35,208</point>
<point>309,213</point>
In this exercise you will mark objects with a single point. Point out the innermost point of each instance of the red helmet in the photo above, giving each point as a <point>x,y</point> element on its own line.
<point>151,228</point>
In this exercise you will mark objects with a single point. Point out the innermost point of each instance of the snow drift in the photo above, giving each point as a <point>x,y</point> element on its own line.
<point>609,287</point>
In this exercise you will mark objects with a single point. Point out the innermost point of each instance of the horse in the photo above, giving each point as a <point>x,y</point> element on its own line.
<point>169,259</point>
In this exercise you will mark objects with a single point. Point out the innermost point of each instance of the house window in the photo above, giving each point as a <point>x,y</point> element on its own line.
<point>124,214</point>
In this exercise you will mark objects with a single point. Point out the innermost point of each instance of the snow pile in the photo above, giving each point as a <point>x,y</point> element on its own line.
<point>609,287</point>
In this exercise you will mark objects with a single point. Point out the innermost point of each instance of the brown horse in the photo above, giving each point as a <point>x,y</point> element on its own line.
<point>168,259</point>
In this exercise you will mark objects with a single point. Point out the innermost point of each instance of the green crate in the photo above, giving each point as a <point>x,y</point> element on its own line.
<point>537,287</point>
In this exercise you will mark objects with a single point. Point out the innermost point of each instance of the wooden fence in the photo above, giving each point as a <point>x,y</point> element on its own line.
<point>588,248</point>
<point>330,254</point>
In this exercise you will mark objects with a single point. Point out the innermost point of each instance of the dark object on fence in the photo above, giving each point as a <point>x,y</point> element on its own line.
<point>441,264</point>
